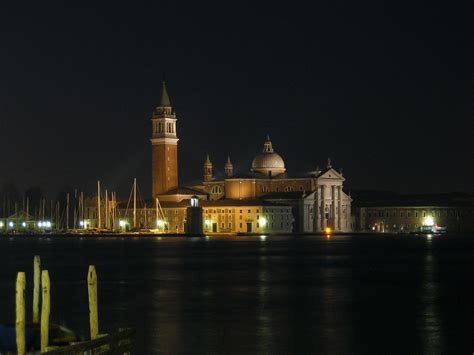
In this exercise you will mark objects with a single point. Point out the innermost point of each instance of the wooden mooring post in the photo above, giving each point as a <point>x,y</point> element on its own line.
<point>20,313</point>
<point>93,308</point>
<point>37,286</point>
<point>45,310</point>
<point>120,342</point>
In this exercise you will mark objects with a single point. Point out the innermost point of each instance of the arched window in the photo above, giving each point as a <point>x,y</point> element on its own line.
<point>216,189</point>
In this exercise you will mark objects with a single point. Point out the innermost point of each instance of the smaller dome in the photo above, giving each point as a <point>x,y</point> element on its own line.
<point>268,162</point>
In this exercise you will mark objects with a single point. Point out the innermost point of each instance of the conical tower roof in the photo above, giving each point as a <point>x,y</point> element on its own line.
<point>208,161</point>
<point>165,99</point>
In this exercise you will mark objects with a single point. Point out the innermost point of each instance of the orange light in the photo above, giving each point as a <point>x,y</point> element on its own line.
<point>327,230</point>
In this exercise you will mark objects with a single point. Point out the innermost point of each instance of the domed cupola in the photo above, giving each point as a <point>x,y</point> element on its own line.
<point>268,162</point>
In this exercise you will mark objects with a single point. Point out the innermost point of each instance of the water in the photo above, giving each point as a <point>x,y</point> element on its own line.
<point>346,294</point>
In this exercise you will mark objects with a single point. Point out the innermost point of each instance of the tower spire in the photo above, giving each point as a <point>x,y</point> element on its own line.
<point>329,163</point>
<point>207,167</point>
<point>229,167</point>
<point>165,99</point>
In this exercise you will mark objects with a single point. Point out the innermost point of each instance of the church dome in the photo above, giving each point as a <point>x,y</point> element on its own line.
<point>268,162</point>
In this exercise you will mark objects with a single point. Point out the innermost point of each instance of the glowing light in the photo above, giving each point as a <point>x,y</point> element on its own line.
<point>47,224</point>
<point>160,223</point>
<point>207,222</point>
<point>262,221</point>
<point>81,223</point>
<point>428,221</point>
<point>263,237</point>
<point>11,224</point>
<point>373,228</point>
<point>122,223</point>
<point>327,230</point>
<point>1,224</point>
<point>23,224</point>
<point>40,224</point>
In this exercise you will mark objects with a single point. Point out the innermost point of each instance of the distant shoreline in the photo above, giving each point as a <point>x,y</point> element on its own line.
<point>241,235</point>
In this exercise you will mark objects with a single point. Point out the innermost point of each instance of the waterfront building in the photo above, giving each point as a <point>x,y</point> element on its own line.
<point>22,222</point>
<point>316,197</point>
<point>219,216</point>
<point>265,199</point>
<point>393,213</point>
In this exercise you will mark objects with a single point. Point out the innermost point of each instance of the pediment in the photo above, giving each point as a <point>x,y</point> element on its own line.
<point>331,174</point>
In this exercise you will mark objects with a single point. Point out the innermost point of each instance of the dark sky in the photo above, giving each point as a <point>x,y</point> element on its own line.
<point>383,88</point>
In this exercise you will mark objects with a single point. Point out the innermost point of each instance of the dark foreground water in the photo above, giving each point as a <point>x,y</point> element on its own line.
<point>294,295</point>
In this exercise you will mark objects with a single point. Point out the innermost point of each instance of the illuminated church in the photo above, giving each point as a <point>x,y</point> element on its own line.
<point>267,198</point>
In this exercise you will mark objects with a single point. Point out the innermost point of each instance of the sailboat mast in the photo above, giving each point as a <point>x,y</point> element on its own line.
<point>135,203</point>
<point>113,210</point>
<point>74,225</point>
<point>106,209</point>
<point>156,211</point>
<point>27,210</point>
<point>99,220</point>
<point>146,218</point>
<point>81,201</point>
<point>67,211</point>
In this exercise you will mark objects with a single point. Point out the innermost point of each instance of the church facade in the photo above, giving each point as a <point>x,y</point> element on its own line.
<point>313,201</point>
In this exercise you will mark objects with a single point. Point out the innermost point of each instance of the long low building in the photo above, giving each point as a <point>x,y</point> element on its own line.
<point>218,216</point>
<point>392,213</point>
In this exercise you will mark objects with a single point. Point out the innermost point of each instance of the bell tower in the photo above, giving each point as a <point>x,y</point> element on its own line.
<point>164,146</point>
<point>207,167</point>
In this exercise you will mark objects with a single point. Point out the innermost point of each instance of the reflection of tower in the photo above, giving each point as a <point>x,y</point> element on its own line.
<point>164,146</point>
<point>228,168</point>
<point>207,169</point>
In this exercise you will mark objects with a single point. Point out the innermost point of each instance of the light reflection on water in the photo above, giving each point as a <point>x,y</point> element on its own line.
<point>343,294</point>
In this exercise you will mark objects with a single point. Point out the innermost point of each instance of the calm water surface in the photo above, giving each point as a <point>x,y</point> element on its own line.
<point>288,295</point>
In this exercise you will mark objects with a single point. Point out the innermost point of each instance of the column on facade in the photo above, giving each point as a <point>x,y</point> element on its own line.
<point>339,215</point>
<point>333,206</point>
<point>323,205</point>
<point>316,210</point>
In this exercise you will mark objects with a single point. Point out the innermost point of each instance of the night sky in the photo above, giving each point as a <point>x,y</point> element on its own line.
<point>384,89</point>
